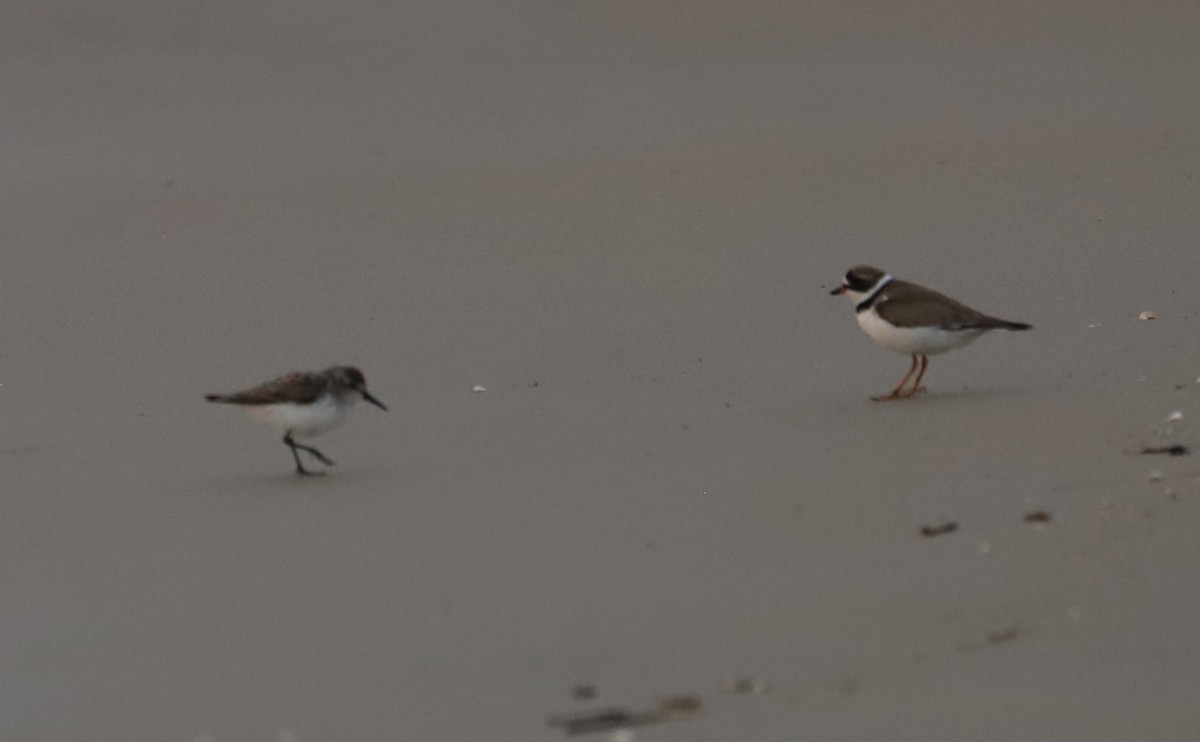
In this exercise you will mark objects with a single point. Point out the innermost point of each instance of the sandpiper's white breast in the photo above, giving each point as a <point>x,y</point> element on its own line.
<point>305,420</point>
<point>925,341</point>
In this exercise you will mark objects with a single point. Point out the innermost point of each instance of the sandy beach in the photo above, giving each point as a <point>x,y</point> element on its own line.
<point>622,221</point>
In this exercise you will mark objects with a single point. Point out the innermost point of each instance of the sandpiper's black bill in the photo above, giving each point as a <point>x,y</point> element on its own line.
<point>367,396</point>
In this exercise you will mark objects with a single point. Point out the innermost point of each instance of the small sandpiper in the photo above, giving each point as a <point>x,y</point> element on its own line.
<point>304,404</point>
<point>913,319</point>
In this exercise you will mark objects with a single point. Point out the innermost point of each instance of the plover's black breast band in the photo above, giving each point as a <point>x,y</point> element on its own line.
<point>872,297</point>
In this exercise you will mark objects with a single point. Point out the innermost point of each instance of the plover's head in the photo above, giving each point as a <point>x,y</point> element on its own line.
<point>349,377</point>
<point>859,282</point>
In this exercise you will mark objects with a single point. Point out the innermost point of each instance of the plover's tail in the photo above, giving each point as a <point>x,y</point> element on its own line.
<point>995,323</point>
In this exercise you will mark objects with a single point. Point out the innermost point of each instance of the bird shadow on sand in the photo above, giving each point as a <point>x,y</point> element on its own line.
<point>289,482</point>
<point>952,394</point>
<point>27,449</point>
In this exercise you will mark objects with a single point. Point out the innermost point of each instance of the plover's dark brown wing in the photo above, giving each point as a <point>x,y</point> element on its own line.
<point>906,304</point>
<point>301,387</point>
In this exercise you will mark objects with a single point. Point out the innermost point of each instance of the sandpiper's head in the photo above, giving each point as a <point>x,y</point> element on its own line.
<point>349,377</point>
<point>859,282</point>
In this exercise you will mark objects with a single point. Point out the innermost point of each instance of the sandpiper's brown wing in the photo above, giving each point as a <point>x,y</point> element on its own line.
<point>906,304</point>
<point>301,387</point>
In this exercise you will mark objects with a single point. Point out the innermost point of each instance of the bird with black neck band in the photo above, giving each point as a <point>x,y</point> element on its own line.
<point>912,319</point>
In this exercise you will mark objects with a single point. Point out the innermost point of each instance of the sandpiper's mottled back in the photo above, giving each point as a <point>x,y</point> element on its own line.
<point>304,404</point>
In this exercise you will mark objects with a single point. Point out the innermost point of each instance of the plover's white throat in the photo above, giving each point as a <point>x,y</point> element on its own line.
<point>913,319</point>
<point>304,404</point>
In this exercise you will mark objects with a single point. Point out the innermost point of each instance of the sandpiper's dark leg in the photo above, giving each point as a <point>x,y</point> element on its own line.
<point>316,454</point>
<point>917,384</point>
<point>896,392</point>
<point>292,444</point>
<point>287,439</point>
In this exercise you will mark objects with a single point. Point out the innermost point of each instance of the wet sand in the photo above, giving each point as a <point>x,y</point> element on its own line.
<point>623,221</point>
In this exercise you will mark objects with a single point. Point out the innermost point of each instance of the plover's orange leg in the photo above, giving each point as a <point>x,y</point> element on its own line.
<point>896,392</point>
<point>916,387</point>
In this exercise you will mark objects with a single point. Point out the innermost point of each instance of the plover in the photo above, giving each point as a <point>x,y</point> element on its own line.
<point>913,319</point>
<point>304,404</point>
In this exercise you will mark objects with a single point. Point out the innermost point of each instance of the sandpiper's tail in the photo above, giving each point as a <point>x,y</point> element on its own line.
<point>1006,325</point>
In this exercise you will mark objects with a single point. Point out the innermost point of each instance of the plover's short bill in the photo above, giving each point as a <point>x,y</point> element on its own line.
<point>304,404</point>
<point>913,319</point>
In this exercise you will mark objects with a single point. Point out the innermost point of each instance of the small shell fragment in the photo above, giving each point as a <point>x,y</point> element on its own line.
<point>1007,634</point>
<point>1147,315</point>
<point>1174,450</point>
<point>616,718</point>
<point>744,686</point>
<point>1156,475</point>
<point>478,388</point>
<point>946,527</point>
<point>1175,416</point>
<point>583,691</point>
